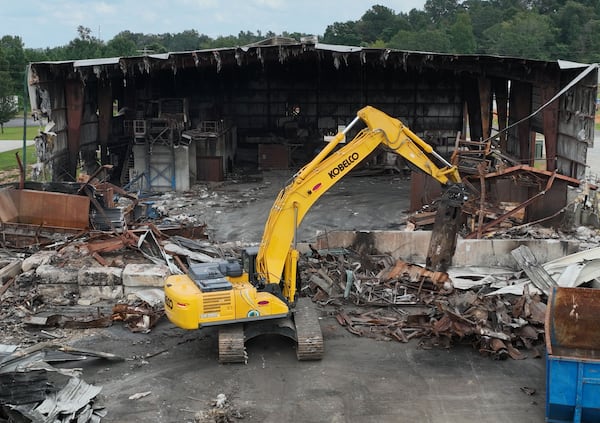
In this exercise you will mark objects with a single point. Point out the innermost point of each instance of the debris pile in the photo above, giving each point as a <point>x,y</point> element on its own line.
<point>27,393</point>
<point>377,297</point>
<point>221,411</point>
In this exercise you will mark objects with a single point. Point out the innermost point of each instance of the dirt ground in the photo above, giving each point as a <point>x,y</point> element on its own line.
<point>179,378</point>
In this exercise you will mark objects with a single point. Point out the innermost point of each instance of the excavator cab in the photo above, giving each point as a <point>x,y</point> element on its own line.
<point>249,264</point>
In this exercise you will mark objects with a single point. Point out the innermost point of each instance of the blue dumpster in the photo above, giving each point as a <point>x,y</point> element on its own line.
<point>573,355</point>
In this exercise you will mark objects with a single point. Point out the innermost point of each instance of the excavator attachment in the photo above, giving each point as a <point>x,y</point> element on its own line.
<point>445,228</point>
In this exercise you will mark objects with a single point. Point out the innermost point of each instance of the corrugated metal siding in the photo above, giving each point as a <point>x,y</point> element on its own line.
<point>576,126</point>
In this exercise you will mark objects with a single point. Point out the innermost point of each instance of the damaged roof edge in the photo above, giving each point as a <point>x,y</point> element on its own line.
<point>562,64</point>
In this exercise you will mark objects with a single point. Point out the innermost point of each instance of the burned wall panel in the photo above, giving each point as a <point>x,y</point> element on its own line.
<point>576,125</point>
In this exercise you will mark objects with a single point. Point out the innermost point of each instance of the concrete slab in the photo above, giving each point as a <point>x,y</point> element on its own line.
<point>49,274</point>
<point>58,293</point>
<point>100,276</point>
<point>146,275</point>
<point>114,292</point>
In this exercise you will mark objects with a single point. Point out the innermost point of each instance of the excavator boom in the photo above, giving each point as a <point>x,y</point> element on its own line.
<point>274,257</point>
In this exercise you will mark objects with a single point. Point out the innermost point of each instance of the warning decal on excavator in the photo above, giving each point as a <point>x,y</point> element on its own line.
<point>343,165</point>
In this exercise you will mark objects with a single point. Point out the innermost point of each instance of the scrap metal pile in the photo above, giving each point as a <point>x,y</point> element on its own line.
<point>377,297</point>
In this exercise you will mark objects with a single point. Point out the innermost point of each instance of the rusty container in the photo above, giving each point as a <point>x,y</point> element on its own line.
<point>573,355</point>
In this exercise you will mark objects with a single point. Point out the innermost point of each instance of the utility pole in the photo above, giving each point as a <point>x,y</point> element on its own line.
<point>25,121</point>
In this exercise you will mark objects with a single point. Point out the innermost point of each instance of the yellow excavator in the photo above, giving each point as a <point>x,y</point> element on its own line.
<point>260,294</point>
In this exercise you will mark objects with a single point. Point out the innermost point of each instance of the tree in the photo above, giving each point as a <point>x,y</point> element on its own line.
<point>184,41</point>
<point>587,45</point>
<point>344,33</point>
<point>84,47</point>
<point>461,35</point>
<point>8,106</point>
<point>571,18</point>
<point>121,45</point>
<point>379,22</point>
<point>11,49</point>
<point>441,10</point>
<point>528,35</point>
<point>433,40</point>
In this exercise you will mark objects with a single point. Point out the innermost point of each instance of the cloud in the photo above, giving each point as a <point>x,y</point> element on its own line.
<point>43,23</point>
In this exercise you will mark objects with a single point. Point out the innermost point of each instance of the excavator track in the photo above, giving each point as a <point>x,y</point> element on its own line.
<point>308,331</point>
<point>231,344</point>
<point>305,329</point>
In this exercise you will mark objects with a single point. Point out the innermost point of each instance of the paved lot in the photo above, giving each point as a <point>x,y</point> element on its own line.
<point>9,145</point>
<point>358,380</point>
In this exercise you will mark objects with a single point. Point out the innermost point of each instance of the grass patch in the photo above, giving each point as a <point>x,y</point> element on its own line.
<point>8,160</point>
<point>16,133</point>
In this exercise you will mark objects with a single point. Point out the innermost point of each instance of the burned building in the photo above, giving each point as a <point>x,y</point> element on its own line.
<point>168,120</point>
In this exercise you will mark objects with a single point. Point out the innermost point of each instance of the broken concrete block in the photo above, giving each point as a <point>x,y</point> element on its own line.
<point>105,292</point>
<point>145,275</point>
<point>58,293</point>
<point>133,293</point>
<point>48,274</point>
<point>10,270</point>
<point>37,259</point>
<point>100,276</point>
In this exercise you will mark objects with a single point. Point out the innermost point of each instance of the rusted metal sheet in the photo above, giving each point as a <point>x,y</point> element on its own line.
<point>572,322</point>
<point>550,122</point>
<point>423,190</point>
<point>44,209</point>
<point>520,107</point>
<point>273,156</point>
<point>513,211</point>
<point>105,113</point>
<point>74,92</point>
<point>210,168</point>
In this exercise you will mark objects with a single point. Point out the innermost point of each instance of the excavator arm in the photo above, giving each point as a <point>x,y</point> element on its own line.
<point>277,256</point>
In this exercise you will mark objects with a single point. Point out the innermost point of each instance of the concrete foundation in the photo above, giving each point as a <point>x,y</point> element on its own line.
<point>412,247</point>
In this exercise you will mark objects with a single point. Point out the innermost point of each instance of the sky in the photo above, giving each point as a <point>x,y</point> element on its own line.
<point>52,23</point>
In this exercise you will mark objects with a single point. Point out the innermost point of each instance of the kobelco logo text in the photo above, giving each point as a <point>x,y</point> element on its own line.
<point>343,165</point>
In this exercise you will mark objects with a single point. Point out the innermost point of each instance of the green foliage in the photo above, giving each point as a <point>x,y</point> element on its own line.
<point>8,107</point>
<point>440,11</point>
<point>345,33</point>
<point>462,39</point>
<point>12,63</point>
<point>528,34</point>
